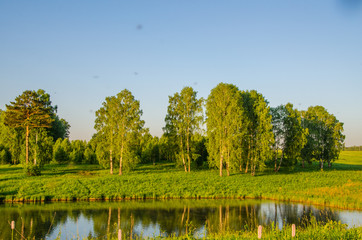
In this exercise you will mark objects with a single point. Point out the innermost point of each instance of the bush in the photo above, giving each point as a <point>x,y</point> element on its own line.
<point>32,170</point>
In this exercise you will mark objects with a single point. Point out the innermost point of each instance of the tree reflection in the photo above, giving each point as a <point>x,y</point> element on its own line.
<point>162,218</point>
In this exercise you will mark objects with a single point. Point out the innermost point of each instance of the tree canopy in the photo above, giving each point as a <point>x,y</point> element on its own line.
<point>183,120</point>
<point>118,123</point>
<point>32,109</point>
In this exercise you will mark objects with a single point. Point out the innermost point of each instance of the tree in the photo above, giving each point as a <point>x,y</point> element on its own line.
<point>119,122</point>
<point>289,135</point>
<point>223,119</point>
<point>258,138</point>
<point>150,151</point>
<point>78,149</point>
<point>60,128</point>
<point>30,110</point>
<point>183,120</point>
<point>41,146</point>
<point>61,150</point>
<point>296,135</point>
<point>325,138</point>
<point>10,141</point>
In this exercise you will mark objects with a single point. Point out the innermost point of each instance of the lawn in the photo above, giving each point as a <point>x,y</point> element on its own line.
<point>339,186</point>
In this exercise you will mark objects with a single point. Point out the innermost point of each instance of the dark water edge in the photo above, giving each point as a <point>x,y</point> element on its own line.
<point>149,218</point>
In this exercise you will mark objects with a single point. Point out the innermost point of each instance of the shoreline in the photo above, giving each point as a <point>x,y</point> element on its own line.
<point>118,199</point>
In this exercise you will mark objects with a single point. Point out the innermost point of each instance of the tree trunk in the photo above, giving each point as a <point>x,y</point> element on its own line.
<point>253,166</point>
<point>183,155</point>
<point>281,160</point>
<point>248,159</point>
<point>121,161</point>
<point>132,224</point>
<point>183,215</point>
<point>109,221</point>
<point>276,159</point>
<point>220,218</point>
<point>188,150</point>
<point>119,219</point>
<point>329,163</point>
<point>302,163</point>
<point>221,161</point>
<point>111,161</point>
<point>27,145</point>
<point>36,146</point>
<point>227,163</point>
<point>321,164</point>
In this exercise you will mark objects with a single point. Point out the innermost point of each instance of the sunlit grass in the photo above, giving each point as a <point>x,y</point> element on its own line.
<point>339,187</point>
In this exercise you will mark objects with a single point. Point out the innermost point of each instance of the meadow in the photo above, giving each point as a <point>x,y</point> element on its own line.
<point>339,186</point>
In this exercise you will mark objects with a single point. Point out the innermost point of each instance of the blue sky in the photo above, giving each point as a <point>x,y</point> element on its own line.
<point>81,51</point>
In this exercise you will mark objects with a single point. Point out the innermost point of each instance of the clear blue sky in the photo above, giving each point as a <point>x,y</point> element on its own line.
<point>80,51</point>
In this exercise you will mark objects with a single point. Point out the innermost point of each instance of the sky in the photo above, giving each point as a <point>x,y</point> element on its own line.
<point>81,51</point>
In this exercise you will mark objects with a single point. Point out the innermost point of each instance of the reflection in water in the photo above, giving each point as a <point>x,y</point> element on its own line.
<point>153,218</point>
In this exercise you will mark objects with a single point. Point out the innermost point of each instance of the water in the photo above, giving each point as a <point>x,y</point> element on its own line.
<point>155,217</point>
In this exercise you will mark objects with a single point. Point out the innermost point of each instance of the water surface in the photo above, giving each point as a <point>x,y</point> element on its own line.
<point>158,217</point>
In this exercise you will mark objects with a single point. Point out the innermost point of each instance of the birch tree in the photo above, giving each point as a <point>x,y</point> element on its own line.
<point>289,135</point>
<point>183,120</point>
<point>119,122</point>
<point>325,139</point>
<point>223,118</point>
<point>259,136</point>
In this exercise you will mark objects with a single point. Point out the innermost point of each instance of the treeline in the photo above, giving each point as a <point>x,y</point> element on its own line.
<point>353,148</point>
<point>232,129</point>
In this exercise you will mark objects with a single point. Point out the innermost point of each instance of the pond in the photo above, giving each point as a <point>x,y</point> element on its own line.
<point>149,218</point>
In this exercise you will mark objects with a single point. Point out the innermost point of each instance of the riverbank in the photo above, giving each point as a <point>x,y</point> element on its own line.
<point>316,231</point>
<point>337,187</point>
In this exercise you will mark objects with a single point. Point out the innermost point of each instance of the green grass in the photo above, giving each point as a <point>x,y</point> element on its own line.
<point>317,231</point>
<point>338,187</point>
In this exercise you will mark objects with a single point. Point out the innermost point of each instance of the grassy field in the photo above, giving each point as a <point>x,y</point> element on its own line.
<point>338,187</point>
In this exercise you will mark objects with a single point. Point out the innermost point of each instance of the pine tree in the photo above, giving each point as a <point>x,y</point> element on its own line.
<point>32,109</point>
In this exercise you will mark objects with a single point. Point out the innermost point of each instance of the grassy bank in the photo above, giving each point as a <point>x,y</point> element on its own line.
<point>328,231</point>
<point>338,187</point>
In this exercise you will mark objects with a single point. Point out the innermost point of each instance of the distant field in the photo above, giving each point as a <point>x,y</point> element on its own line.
<point>339,187</point>
<point>350,158</point>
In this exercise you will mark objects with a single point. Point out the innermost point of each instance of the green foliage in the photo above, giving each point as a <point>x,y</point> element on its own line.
<point>25,122</point>
<point>183,121</point>
<point>32,170</point>
<point>61,151</point>
<point>60,128</point>
<point>31,109</point>
<point>259,138</point>
<point>11,139</point>
<point>5,156</point>
<point>224,117</point>
<point>325,138</point>
<point>289,135</point>
<point>150,152</point>
<point>77,153</point>
<point>119,125</point>
<point>41,146</point>
<point>90,156</point>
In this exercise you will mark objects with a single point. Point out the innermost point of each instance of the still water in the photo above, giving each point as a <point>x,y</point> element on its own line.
<point>156,217</point>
